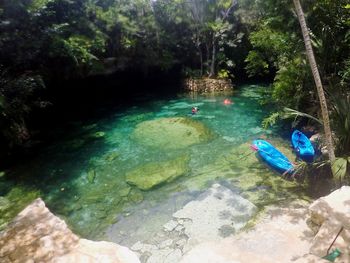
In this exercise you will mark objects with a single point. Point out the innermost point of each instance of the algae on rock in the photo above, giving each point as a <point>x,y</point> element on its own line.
<point>135,196</point>
<point>13,202</point>
<point>91,176</point>
<point>171,133</point>
<point>150,175</point>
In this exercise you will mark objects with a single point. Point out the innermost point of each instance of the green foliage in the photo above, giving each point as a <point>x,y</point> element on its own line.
<point>50,40</point>
<point>287,113</point>
<point>340,121</point>
<point>256,65</point>
<point>288,87</point>
<point>223,74</point>
<point>340,168</point>
<point>271,120</point>
<point>345,74</point>
<point>81,49</point>
<point>36,5</point>
<point>273,42</point>
<point>18,98</point>
<point>278,47</point>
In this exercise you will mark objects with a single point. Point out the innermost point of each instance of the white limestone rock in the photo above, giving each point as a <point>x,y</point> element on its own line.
<point>335,205</point>
<point>170,226</point>
<point>36,235</point>
<point>310,259</point>
<point>282,235</point>
<point>325,237</point>
<point>215,214</point>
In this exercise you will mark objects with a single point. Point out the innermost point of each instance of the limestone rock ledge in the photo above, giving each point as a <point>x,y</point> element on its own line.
<point>331,215</point>
<point>207,85</point>
<point>36,235</point>
<point>293,234</point>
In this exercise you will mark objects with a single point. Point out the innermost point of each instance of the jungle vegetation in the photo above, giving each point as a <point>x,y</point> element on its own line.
<point>45,41</point>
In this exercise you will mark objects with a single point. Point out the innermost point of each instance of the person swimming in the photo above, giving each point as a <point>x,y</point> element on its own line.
<point>227,102</point>
<point>194,110</point>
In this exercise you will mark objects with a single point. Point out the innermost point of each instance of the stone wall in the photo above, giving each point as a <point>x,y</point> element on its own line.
<point>36,235</point>
<point>207,84</point>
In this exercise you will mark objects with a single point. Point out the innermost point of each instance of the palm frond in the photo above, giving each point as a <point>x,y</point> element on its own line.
<point>291,113</point>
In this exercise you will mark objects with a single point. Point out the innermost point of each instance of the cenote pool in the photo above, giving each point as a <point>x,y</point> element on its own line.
<point>88,178</point>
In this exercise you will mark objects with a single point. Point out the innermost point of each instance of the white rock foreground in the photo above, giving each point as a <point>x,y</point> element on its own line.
<point>203,231</point>
<point>284,235</point>
<point>213,215</point>
<point>36,235</point>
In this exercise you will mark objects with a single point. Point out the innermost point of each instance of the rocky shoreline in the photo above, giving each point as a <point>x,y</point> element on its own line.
<point>211,228</point>
<point>36,235</point>
<point>204,85</point>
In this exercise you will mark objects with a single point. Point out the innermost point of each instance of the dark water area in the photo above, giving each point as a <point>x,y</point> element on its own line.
<point>80,100</point>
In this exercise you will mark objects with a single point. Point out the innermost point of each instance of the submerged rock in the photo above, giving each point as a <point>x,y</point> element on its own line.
<point>111,156</point>
<point>97,135</point>
<point>91,175</point>
<point>135,196</point>
<point>74,144</point>
<point>125,191</point>
<point>150,175</point>
<point>171,133</point>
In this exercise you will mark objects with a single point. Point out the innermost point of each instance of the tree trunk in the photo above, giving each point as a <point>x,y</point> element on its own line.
<point>207,58</point>
<point>213,59</point>
<point>201,59</point>
<point>200,53</point>
<point>317,78</point>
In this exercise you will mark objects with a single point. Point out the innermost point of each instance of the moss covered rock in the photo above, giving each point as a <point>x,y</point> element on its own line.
<point>135,196</point>
<point>111,156</point>
<point>13,202</point>
<point>150,175</point>
<point>98,135</point>
<point>171,133</point>
<point>91,176</point>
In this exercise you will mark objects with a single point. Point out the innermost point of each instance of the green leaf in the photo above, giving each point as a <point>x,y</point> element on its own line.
<point>339,167</point>
<point>347,6</point>
<point>288,113</point>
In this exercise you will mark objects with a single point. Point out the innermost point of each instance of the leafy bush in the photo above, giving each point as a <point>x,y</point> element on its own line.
<point>223,74</point>
<point>18,97</point>
<point>340,121</point>
<point>256,65</point>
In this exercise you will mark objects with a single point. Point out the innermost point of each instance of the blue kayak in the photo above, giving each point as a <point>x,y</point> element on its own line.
<point>303,146</point>
<point>272,156</point>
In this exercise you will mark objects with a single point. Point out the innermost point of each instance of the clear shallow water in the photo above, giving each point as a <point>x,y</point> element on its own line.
<point>82,178</point>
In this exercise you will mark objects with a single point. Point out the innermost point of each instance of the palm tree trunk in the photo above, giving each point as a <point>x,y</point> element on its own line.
<point>317,78</point>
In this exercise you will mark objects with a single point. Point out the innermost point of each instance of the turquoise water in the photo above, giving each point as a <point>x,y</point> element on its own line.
<point>82,178</point>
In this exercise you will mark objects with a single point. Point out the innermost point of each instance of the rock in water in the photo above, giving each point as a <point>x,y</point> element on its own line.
<point>91,175</point>
<point>150,175</point>
<point>171,133</point>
